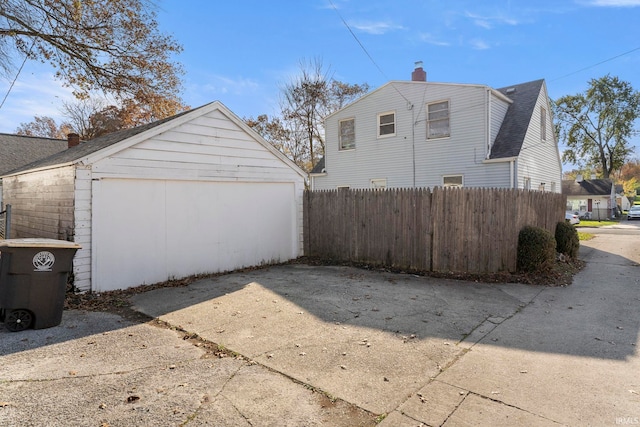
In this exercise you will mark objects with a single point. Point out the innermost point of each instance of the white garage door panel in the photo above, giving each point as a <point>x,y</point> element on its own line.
<point>156,230</point>
<point>229,225</point>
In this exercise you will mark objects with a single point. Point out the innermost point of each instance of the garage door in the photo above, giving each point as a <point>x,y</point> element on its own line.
<point>149,231</point>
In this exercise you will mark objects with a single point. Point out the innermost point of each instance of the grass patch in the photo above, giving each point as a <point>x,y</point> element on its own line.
<point>585,236</point>
<point>596,223</point>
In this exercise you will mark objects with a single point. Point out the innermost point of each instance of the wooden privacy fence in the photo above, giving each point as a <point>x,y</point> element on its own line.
<point>443,230</point>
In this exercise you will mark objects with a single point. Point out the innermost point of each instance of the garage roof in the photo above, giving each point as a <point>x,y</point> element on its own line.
<point>89,151</point>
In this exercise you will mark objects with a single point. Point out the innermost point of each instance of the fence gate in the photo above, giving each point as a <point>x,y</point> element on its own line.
<point>5,222</point>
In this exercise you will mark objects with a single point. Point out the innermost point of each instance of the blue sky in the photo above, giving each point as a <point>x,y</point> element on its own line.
<point>242,53</point>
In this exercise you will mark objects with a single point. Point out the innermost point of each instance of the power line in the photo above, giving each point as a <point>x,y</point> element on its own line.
<point>595,65</point>
<point>24,61</point>
<point>14,80</point>
<point>365,49</point>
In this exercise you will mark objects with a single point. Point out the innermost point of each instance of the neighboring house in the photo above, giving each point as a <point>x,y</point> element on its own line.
<point>18,150</point>
<point>424,134</point>
<point>594,198</point>
<point>622,201</point>
<point>199,192</point>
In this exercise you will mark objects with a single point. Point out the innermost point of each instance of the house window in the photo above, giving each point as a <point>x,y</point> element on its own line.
<point>342,187</point>
<point>553,187</point>
<point>527,183</point>
<point>452,181</point>
<point>379,183</point>
<point>438,120</point>
<point>543,123</point>
<point>386,124</point>
<point>347,129</point>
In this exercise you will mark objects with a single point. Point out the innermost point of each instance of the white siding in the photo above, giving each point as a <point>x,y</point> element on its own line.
<point>394,158</point>
<point>540,160</point>
<point>410,159</point>
<point>82,217</point>
<point>210,147</point>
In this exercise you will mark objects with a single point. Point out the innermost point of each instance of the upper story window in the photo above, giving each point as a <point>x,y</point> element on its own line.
<point>347,134</point>
<point>438,120</point>
<point>452,181</point>
<point>543,123</point>
<point>386,124</point>
<point>527,183</point>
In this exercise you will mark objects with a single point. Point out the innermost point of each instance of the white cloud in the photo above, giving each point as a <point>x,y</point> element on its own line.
<point>376,28</point>
<point>430,39</point>
<point>612,3</point>
<point>479,44</point>
<point>489,22</point>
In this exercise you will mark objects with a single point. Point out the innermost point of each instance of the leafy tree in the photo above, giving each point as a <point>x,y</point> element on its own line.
<point>111,46</point>
<point>597,125</point>
<point>44,127</point>
<point>307,100</point>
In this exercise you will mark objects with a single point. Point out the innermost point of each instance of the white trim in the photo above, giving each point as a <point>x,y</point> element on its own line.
<point>353,145</point>
<point>395,124</point>
<point>453,176</point>
<point>373,181</point>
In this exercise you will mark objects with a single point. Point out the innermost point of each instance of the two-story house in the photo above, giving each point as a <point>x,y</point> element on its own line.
<point>424,134</point>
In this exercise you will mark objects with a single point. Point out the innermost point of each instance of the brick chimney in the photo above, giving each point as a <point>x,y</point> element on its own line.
<point>419,75</point>
<point>73,139</point>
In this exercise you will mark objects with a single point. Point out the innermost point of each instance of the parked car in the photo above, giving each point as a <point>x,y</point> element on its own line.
<point>634,212</point>
<point>572,218</point>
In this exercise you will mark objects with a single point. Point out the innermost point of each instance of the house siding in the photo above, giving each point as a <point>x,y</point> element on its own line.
<point>82,215</point>
<point>42,203</point>
<point>539,160</point>
<point>409,159</point>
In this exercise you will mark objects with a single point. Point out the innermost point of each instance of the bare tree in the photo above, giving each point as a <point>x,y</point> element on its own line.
<point>307,99</point>
<point>44,127</point>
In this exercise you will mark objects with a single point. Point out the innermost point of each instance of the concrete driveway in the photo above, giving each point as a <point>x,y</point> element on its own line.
<point>344,346</point>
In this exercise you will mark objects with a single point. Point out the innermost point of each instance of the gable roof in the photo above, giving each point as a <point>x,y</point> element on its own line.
<point>319,167</point>
<point>511,135</point>
<point>109,144</point>
<point>587,187</point>
<point>19,150</point>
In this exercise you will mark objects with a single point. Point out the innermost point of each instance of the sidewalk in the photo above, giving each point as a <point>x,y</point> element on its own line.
<point>340,346</point>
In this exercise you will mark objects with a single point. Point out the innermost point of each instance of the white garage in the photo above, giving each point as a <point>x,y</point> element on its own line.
<point>194,194</point>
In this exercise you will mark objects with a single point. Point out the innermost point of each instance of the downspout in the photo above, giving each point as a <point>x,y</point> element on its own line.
<point>413,141</point>
<point>488,130</point>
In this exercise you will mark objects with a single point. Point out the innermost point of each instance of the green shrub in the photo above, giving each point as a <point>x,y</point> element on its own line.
<point>567,240</point>
<point>536,249</point>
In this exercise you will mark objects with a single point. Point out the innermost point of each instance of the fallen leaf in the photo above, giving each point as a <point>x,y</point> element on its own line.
<point>133,398</point>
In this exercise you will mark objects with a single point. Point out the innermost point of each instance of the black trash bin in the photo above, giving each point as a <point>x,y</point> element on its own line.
<point>33,281</point>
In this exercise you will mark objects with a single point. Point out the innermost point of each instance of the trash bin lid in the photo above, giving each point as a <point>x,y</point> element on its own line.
<point>38,243</point>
